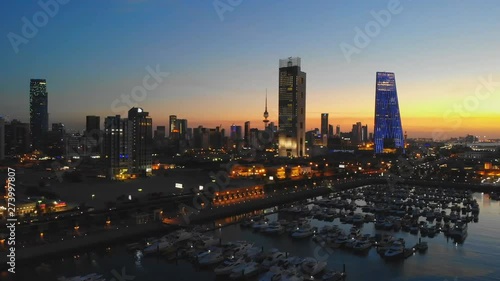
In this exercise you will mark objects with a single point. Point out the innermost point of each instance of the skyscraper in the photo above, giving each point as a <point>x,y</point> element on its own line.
<point>292,108</point>
<point>337,130</point>
<point>58,128</point>
<point>39,116</point>
<point>93,134</point>
<point>2,138</point>
<point>364,133</point>
<point>172,129</point>
<point>356,135</point>
<point>324,124</point>
<point>17,137</point>
<point>246,135</point>
<point>235,133</point>
<point>142,141</point>
<point>330,131</point>
<point>118,146</point>
<point>159,133</point>
<point>388,131</point>
<point>93,124</point>
<point>181,126</point>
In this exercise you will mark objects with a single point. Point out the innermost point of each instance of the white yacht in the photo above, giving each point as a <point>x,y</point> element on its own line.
<point>249,269</point>
<point>274,274</point>
<point>240,249</point>
<point>459,231</point>
<point>180,236</point>
<point>228,266</point>
<point>159,245</point>
<point>273,259</point>
<point>211,259</point>
<point>396,250</point>
<point>362,245</point>
<point>312,267</point>
<point>303,232</point>
<point>204,241</point>
<point>260,225</point>
<point>341,240</point>
<point>274,228</point>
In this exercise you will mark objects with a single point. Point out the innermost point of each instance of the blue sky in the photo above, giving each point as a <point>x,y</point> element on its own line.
<point>92,52</point>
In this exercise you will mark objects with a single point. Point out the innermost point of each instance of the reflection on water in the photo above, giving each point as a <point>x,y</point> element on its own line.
<point>476,259</point>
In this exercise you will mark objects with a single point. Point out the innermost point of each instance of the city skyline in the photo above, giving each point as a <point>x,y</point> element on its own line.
<point>228,91</point>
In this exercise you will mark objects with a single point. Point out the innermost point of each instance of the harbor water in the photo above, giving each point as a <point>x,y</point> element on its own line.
<point>477,258</point>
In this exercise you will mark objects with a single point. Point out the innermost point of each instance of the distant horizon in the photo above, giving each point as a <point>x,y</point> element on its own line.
<point>257,123</point>
<point>214,68</point>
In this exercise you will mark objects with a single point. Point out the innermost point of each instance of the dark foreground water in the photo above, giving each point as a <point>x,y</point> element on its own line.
<point>478,258</point>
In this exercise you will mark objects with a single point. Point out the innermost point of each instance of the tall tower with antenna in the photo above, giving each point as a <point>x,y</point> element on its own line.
<point>266,114</point>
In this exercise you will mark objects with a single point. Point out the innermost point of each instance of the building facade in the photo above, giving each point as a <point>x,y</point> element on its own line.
<point>324,124</point>
<point>93,134</point>
<point>118,147</point>
<point>39,116</point>
<point>172,127</point>
<point>17,137</point>
<point>292,108</point>
<point>388,132</point>
<point>142,141</point>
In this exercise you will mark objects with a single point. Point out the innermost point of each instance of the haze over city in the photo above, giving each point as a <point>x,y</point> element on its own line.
<point>220,66</point>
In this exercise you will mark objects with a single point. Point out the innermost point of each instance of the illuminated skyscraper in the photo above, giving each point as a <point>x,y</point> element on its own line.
<point>142,141</point>
<point>39,116</point>
<point>388,129</point>
<point>181,127</point>
<point>292,108</point>
<point>118,146</point>
<point>172,129</point>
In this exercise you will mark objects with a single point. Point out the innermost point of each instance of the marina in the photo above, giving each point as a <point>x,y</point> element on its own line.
<point>326,238</point>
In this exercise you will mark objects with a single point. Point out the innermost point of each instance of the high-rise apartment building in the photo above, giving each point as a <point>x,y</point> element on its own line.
<point>39,116</point>
<point>246,135</point>
<point>93,134</point>
<point>172,126</point>
<point>292,108</point>
<point>324,124</point>
<point>142,141</point>
<point>17,138</point>
<point>181,126</point>
<point>118,146</point>
<point>159,133</point>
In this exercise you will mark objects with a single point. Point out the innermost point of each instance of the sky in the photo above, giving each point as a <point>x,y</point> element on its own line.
<point>222,55</point>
